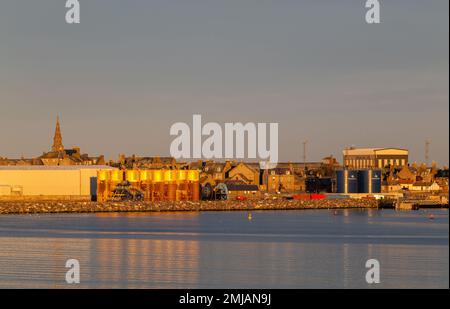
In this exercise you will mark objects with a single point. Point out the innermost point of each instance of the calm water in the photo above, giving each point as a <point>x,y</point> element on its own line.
<point>276,249</point>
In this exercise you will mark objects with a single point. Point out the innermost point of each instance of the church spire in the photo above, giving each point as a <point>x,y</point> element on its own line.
<point>57,139</point>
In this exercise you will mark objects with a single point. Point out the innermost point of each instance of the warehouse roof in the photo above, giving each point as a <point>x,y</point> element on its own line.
<point>373,151</point>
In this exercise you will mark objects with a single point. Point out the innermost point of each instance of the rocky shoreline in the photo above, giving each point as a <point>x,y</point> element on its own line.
<point>38,207</point>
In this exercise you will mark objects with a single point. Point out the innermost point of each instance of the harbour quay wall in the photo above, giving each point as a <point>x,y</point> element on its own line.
<point>30,207</point>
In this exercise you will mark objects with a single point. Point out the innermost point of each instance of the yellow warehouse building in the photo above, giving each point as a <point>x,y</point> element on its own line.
<point>49,182</point>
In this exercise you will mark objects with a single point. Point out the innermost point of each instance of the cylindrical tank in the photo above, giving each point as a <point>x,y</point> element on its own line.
<point>157,176</point>
<point>340,181</point>
<point>182,175</point>
<point>116,175</point>
<point>195,191</point>
<point>157,191</point>
<point>170,175</point>
<point>171,191</point>
<point>132,176</point>
<point>193,175</point>
<point>364,181</point>
<point>376,181</point>
<point>103,175</point>
<point>146,175</point>
<point>182,190</point>
<point>352,181</point>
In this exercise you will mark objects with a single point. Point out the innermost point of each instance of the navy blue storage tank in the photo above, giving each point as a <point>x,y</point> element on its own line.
<point>376,181</point>
<point>340,181</point>
<point>363,181</point>
<point>352,181</point>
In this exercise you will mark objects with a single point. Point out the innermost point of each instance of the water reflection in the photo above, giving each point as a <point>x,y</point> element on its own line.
<point>225,250</point>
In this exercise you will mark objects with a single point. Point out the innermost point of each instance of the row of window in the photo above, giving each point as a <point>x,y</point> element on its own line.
<point>366,163</point>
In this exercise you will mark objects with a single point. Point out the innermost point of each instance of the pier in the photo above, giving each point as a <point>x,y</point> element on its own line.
<point>30,207</point>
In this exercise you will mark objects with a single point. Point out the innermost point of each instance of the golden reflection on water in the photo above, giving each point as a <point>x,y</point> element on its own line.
<point>144,263</point>
<point>165,263</point>
<point>160,215</point>
<point>186,250</point>
<point>104,263</point>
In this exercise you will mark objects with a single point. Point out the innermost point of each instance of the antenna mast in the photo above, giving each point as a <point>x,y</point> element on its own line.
<point>427,152</point>
<point>304,153</point>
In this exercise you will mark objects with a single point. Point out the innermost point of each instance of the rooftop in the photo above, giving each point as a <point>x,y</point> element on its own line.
<point>373,151</point>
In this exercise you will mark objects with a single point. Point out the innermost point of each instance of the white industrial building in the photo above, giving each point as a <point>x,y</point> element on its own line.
<point>49,182</point>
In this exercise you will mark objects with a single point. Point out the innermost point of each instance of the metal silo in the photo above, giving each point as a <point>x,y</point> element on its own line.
<point>183,186</point>
<point>158,185</point>
<point>145,175</point>
<point>132,176</point>
<point>116,176</point>
<point>170,178</point>
<point>352,181</point>
<point>376,181</point>
<point>103,179</point>
<point>194,185</point>
<point>364,180</point>
<point>146,180</point>
<point>340,181</point>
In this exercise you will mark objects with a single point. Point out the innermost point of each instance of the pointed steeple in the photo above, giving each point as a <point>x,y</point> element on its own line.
<point>57,139</point>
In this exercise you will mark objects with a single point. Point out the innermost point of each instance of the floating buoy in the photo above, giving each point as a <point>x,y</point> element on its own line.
<point>249,216</point>
<point>431,217</point>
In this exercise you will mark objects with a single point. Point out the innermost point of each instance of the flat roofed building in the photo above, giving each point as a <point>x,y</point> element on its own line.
<point>49,182</point>
<point>374,157</point>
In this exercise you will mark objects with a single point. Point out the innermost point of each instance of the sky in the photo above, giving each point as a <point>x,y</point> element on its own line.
<point>131,69</point>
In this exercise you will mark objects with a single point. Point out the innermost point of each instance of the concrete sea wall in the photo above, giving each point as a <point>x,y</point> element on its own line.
<point>29,207</point>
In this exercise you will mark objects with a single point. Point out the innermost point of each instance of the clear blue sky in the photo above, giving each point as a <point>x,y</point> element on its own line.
<point>131,69</point>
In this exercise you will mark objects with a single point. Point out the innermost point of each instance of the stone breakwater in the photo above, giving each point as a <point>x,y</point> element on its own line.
<point>24,207</point>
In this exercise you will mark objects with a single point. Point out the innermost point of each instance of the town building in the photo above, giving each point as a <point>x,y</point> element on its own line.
<point>212,172</point>
<point>282,180</point>
<point>374,157</point>
<point>245,173</point>
<point>415,179</point>
<point>58,155</point>
<point>238,189</point>
<point>137,162</point>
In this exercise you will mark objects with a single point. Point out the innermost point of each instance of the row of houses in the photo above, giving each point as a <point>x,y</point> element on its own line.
<point>415,178</point>
<point>285,177</point>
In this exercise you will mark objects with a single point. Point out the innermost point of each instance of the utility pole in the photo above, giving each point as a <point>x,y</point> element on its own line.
<point>304,153</point>
<point>427,152</point>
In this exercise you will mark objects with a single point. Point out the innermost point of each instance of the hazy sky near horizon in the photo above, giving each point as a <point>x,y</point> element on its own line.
<point>131,69</point>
